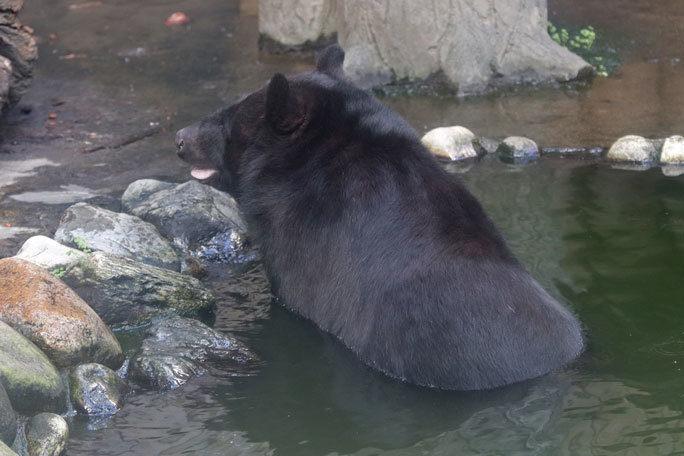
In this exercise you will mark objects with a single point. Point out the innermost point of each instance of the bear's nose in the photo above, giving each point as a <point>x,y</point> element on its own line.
<point>180,143</point>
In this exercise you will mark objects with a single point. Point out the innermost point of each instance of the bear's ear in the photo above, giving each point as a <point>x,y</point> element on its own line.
<point>283,112</point>
<point>330,61</point>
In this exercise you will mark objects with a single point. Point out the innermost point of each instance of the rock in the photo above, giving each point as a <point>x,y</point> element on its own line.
<point>39,306</point>
<point>96,390</point>
<point>8,419</point>
<point>178,349</point>
<point>5,81</point>
<point>296,25</point>
<point>673,150</point>
<point>47,253</point>
<point>5,450</point>
<point>30,379</point>
<point>46,435</point>
<point>472,44</point>
<point>193,215</point>
<point>632,148</point>
<point>18,46</point>
<point>120,234</point>
<point>454,143</point>
<point>518,148</point>
<point>121,290</point>
<point>489,145</point>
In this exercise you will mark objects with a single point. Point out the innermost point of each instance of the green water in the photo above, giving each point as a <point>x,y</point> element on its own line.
<point>609,243</point>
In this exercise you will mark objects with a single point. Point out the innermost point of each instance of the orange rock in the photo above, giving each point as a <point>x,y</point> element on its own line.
<point>177,18</point>
<point>51,315</point>
<point>52,116</point>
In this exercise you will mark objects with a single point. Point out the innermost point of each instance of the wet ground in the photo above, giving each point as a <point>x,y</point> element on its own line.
<point>607,242</point>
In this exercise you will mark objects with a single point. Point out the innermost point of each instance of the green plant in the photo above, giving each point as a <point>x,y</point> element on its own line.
<point>581,43</point>
<point>58,272</point>
<point>82,245</point>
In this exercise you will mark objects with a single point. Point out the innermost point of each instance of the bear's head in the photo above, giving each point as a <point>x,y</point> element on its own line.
<point>288,110</point>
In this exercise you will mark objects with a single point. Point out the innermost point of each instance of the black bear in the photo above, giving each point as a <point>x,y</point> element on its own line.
<point>362,231</point>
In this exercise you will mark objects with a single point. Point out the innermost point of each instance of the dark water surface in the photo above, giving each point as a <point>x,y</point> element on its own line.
<point>609,243</point>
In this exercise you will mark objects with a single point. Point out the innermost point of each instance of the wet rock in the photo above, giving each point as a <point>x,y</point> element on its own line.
<point>489,145</point>
<point>43,309</point>
<point>518,148</point>
<point>178,349</point>
<point>673,150</point>
<point>46,435</point>
<point>453,143</point>
<point>5,80</point>
<point>632,148</point>
<point>5,450</point>
<point>30,379</point>
<point>193,215</point>
<point>120,234</point>
<point>19,47</point>
<point>96,390</point>
<point>48,253</point>
<point>121,290</point>
<point>8,419</point>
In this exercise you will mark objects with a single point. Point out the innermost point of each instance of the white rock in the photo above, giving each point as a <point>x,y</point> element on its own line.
<point>632,148</point>
<point>454,143</point>
<point>518,148</point>
<point>48,253</point>
<point>673,150</point>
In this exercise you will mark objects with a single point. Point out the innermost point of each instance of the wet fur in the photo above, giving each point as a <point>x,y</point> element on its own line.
<point>363,232</point>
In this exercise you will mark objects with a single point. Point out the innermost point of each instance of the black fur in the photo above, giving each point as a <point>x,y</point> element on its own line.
<point>363,232</point>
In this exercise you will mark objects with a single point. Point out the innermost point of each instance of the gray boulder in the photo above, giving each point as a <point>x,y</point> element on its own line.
<point>29,378</point>
<point>96,390</point>
<point>673,150</point>
<point>296,25</point>
<point>120,234</point>
<point>195,216</point>
<point>471,44</point>
<point>518,148</point>
<point>632,148</point>
<point>48,253</point>
<point>8,419</point>
<point>121,290</point>
<point>19,47</point>
<point>5,450</point>
<point>453,143</point>
<point>47,435</point>
<point>178,349</point>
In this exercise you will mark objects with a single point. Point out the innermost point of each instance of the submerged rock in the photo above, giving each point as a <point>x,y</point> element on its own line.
<point>30,379</point>
<point>673,150</point>
<point>120,234</point>
<point>8,419</point>
<point>47,312</point>
<point>193,215</point>
<point>518,148</point>
<point>48,253</point>
<point>178,349</point>
<point>121,290</point>
<point>47,435</point>
<point>96,390</point>
<point>632,148</point>
<point>454,143</point>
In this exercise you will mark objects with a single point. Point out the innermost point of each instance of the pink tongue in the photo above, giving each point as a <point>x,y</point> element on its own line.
<point>202,174</point>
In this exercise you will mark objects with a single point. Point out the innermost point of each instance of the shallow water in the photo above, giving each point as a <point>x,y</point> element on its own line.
<point>609,243</point>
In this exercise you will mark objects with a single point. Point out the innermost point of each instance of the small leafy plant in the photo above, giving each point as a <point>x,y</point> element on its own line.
<point>82,245</point>
<point>581,43</point>
<point>58,272</point>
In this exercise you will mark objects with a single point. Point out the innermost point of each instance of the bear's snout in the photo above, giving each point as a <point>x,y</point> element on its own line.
<point>181,140</point>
